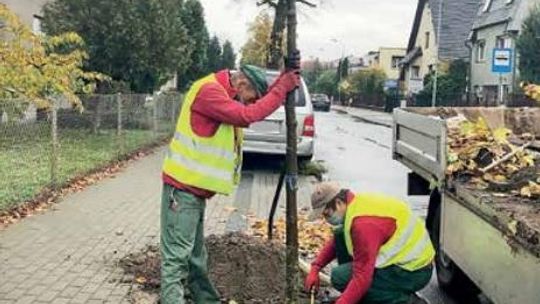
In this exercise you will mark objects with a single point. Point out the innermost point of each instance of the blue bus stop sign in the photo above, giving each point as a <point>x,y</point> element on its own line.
<point>502,61</point>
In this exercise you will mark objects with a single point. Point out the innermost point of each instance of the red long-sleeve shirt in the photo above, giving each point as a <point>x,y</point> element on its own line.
<point>368,235</point>
<point>214,105</point>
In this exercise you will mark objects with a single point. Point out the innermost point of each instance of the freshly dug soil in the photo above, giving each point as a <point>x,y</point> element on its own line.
<point>244,269</point>
<point>144,266</point>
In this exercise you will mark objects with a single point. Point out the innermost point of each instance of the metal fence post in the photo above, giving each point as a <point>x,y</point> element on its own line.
<point>177,107</point>
<point>174,106</point>
<point>54,144</point>
<point>119,136</point>
<point>155,100</point>
<point>97,114</point>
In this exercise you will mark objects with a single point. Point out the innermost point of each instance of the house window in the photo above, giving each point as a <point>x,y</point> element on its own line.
<point>427,41</point>
<point>36,24</point>
<point>481,51</point>
<point>395,61</point>
<point>487,5</point>
<point>415,72</point>
<point>502,43</point>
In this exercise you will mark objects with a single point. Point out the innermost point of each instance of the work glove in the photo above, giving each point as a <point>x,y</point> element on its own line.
<point>312,280</point>
<point>288,81</point>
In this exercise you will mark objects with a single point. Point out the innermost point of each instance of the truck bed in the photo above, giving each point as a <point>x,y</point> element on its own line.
<point>419,142</point>
<point>516,217</point>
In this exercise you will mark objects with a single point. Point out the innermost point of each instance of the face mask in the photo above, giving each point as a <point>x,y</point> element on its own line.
<point>335,219</point>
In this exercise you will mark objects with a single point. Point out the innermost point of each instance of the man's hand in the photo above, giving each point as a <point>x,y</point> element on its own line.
<point>289,81</point>
<point>312,281</point>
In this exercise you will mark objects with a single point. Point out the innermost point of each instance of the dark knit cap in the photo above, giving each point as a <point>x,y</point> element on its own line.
<point>257,77</point>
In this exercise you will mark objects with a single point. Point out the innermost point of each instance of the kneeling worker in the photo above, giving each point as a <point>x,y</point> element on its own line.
<point>383,250</point>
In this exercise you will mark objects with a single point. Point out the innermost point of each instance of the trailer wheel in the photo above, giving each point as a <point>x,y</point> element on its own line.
<point>451,278</point>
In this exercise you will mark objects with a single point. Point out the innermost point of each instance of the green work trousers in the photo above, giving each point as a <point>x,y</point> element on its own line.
<point>183,253</point>
<point>390,285</point>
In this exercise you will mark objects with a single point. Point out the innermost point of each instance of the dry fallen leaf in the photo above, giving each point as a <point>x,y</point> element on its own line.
<point>512,226</point>
<point>501,135</point>
<point>230,208</point>
<point>140,280</point>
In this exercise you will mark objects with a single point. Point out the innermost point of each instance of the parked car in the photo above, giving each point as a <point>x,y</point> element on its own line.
<point>321,102</point>
<point>269,136</point>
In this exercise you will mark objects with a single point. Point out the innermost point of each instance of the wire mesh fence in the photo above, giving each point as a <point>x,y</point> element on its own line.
<point>44,149</point>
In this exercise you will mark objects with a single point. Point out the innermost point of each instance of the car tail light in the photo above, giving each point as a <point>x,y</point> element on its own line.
<point>309,126</point>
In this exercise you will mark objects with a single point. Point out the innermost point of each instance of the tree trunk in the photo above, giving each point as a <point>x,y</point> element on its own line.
<point>275,51</point>
<point>292,171</point>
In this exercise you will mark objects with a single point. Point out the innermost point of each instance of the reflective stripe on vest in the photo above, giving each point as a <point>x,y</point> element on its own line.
<point>198,146</point>
<point>210,163</point>
<point>409,247</point>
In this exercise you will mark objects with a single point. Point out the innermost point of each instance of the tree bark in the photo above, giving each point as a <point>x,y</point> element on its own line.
<point>275,52</point>
<point>292,171</point>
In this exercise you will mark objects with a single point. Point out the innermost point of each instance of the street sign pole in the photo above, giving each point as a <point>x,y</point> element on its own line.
<point>501,90</point>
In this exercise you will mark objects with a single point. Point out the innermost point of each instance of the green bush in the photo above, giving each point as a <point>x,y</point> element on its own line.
<point>451,86</point>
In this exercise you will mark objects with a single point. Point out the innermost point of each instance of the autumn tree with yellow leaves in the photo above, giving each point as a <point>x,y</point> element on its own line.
<point>36,68</point>
<point>531,90</point>
<point>255,50</point>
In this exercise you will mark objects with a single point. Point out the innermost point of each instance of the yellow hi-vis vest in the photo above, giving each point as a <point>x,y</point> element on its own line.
<point>210,163</point>
<point>409,247</point>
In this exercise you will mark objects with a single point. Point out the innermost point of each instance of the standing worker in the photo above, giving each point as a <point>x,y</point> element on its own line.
<point>204,158</point>
<point>383,250</point>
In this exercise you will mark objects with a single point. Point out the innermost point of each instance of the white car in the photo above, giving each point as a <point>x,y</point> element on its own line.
<point>269,136</point>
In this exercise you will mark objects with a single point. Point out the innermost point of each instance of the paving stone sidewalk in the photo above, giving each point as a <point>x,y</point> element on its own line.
<point>70,254</point>
<point>370,116</point>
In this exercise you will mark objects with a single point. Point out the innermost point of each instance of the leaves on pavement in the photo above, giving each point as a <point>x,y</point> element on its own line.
<point>311,235</point>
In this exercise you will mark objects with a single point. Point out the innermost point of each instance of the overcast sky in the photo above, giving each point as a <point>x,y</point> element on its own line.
<point>360,25</point>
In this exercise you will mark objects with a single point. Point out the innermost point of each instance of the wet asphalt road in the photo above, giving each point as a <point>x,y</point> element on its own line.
<point>359,156</point>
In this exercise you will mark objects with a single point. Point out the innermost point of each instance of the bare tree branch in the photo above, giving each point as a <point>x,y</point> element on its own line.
<point>307,3</point>
<point>269,2</point>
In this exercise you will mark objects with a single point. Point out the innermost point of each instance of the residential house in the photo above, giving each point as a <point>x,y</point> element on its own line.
<point>497,24</point>
<point>389,59</point>
<point>371,59</point>
<point>386,59</point>
<point>29,11</point>
<point>355,64</point>
<point>425,49</point>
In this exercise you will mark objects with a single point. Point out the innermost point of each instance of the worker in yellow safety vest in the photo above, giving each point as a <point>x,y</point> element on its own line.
<point>204,158</point>
<point>383,249</point>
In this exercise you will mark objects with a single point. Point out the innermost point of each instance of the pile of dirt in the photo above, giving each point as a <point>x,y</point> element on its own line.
<point>244,269</point>
<point>144,267</point>
<point>247,269</point>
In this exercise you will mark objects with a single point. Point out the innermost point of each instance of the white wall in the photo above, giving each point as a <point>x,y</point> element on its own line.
<point>25,9</point>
